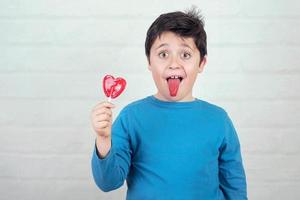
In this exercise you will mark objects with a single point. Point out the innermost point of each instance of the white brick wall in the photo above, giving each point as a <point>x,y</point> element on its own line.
<point>53,55</point>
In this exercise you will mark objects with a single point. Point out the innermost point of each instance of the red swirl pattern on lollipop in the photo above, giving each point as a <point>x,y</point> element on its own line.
<point>113,87</point>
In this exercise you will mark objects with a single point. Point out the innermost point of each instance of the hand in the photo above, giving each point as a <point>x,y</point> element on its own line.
<point>101,118</point>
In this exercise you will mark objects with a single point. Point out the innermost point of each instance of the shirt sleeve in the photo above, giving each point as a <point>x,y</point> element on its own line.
<point>231,172</point>
<point>110,172</point>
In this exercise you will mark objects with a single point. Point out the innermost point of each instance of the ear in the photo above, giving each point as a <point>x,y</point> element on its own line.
<point>202,64</point>
<point>149,66</point>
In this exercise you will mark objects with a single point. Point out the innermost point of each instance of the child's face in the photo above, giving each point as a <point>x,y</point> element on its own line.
<point>171,55</point>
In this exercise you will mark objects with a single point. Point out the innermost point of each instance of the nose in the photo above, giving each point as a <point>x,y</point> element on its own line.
<point>174,64</point>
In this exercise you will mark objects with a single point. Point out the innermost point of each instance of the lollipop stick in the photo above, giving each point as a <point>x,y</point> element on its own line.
<point>109,98</point>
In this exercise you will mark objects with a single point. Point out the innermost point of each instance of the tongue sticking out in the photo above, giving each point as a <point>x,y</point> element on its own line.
<point>173,86</point>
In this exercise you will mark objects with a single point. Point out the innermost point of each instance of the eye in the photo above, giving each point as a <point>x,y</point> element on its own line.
<point>186,55</point>
<point>163,54</point>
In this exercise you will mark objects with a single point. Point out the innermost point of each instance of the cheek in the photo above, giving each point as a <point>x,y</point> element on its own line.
<point>157,76</point>
<point>159,62</point>
<point>192,75</point>
<point>192,70</point>
<point>157,70</point>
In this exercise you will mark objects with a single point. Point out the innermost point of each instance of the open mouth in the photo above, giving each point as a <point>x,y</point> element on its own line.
<point>173,84</point>
<point>175,77</point>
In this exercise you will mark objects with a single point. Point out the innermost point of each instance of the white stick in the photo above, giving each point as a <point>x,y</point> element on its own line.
<point>109,99</point>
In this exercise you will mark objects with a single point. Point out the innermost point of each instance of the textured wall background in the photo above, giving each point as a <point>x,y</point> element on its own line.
<point>53,55</point>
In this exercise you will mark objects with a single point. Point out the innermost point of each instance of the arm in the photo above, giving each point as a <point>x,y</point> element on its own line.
<point>110,172</point>
<point>231,172</point>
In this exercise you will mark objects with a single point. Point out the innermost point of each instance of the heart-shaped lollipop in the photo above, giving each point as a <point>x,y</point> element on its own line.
<point>113,87</point>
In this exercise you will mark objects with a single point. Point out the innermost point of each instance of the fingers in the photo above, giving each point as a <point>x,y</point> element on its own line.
<point>101,125</point>
<point>102,120</point>
<point>102,108</point>
<point>103,111</point>
<point>105,104</point>
<point>101,115</point>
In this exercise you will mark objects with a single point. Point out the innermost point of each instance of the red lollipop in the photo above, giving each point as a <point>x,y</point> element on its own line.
<point>113,87</point>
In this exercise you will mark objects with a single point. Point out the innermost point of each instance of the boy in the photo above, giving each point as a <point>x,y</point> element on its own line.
<point>170,145</point>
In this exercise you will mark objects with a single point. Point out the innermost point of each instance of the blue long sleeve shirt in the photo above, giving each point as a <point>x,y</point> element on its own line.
<point>172,150</point>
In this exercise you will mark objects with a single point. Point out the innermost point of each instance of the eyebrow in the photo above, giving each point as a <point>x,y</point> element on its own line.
<point>161,45</point>
<point>165,44</point>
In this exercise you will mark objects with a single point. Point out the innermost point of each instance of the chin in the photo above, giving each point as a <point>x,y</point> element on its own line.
<point>178,97</point>
<point>181,97</point>
<point>165,95</point>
